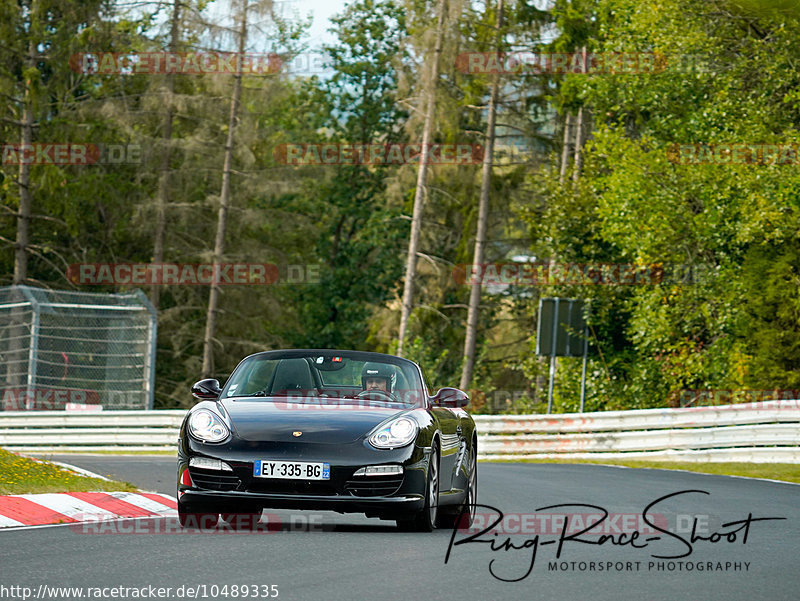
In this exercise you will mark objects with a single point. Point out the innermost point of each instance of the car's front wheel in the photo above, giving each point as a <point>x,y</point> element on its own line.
<point>425,519</point>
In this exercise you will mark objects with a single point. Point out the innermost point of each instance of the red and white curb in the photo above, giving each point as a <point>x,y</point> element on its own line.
<point>72,507</point>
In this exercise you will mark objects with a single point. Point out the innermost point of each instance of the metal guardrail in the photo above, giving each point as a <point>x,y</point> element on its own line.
<point>760,432</point>
<point>119,431</point>
<point>750,432</point>
<point>644,419</point>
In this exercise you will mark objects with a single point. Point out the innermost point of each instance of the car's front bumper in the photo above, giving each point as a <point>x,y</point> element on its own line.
<point>240,491</point>
<point>210,501</point>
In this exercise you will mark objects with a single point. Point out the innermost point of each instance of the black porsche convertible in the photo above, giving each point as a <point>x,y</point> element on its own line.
<point>348,431</point>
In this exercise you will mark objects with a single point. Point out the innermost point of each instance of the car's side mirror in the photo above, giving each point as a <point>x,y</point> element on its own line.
<point>206,390</point>
<point>451,397</point>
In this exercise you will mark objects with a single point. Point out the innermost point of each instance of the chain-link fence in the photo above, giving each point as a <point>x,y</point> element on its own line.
<point>63,350</point>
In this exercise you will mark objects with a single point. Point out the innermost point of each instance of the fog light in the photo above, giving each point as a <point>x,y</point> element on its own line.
<point>209,464</point>
<point>379,470</point>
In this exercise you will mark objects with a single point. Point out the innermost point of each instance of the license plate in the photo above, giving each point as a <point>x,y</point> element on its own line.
<point>292,470</point>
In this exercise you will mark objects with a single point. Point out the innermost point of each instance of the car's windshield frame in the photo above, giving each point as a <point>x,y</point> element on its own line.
<point>408,368</point>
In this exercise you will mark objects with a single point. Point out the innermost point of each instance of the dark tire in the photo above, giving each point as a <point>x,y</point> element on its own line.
<point>425,519</point>
<point>242,521</point>
<point>463,514</point>
<point>190,519</point>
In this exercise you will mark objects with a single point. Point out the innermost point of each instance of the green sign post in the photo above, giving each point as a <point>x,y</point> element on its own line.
<point>562,331</point>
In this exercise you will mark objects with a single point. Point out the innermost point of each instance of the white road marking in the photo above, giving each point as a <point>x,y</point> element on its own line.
<point>80,470</point>
<point>144,503</point>
<point>67,505</point>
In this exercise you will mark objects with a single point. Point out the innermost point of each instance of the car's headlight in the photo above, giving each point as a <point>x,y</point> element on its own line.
<point>207,426</point>
<point>397,433</point>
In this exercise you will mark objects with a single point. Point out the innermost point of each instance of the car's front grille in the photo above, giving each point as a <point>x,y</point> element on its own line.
<point>374,486</point>
<point>213,480</point>
<point>291,487</point>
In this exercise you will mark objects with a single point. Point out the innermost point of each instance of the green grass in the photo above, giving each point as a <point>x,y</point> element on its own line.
<point>20,475</point>
<point>788,472</point>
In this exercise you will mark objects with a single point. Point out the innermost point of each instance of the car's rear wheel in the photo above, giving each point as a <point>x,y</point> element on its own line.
<point>194,520</point>
<point>425,519</point>
<point>242,521</point>
<point>464,513</point>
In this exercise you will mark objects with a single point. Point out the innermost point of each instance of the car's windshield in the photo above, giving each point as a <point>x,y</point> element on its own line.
<point>327,376</point>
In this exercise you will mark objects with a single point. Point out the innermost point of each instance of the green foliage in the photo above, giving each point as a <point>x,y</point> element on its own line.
<point>728,80</point>
<point>729,76</point>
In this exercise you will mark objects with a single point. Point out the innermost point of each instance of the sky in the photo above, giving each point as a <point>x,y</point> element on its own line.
<point>292,10</point>
<point>321,10</point>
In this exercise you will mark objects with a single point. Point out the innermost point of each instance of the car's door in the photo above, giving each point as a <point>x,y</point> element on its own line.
<point>449,422</point>
<point>452,442</point>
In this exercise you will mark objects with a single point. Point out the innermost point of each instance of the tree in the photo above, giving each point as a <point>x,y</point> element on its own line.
<point>483,213</point>
<point>224,200</point>
<point>359,226</point>
<point>429,95</point>
<point>39,36</point>
<point>162,196</point>
<point>639,201</point>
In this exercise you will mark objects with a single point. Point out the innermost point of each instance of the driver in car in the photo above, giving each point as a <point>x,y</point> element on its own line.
<point>378,376</point>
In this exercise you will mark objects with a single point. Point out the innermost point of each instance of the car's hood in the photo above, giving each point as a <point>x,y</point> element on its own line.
<point>264,420</point>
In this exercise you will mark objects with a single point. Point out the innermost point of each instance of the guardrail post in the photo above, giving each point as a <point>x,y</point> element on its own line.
<point>150,355</point>
<point>583,368</point>
<point>33,350</point>
<point>553,359</point>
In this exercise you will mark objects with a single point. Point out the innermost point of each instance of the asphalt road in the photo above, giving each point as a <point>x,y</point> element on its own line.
<point>149,472</point>
<point>326,556</point>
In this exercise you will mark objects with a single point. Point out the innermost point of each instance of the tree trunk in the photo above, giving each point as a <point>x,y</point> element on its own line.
<point>26,138</point>
<point>17,327</point>
<point>579,137</point>
<point>565,148</point>
<point>222,218</point>
<point>422,178</point>
<point>576,172</point>
<point>473,313</point>
<point>162,198</point>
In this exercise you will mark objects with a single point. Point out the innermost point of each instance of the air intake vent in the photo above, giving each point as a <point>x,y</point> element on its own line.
<point>214,480</point>
<point>374,486</point>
